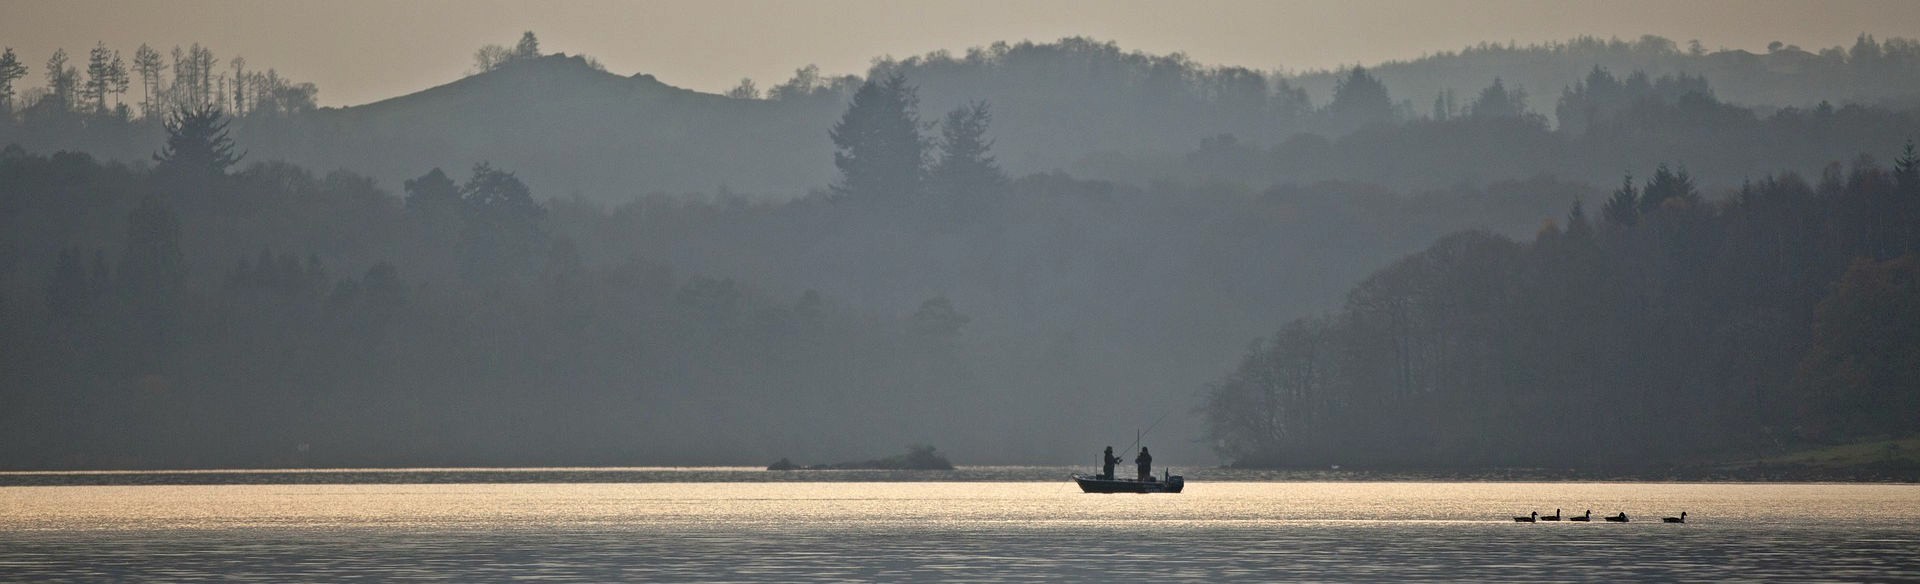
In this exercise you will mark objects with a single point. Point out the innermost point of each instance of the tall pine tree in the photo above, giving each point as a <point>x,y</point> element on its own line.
<point>1623,208</point>
<point>197,145</point>
<point>877,143</point>
<point>966,167</point>
<point>10,71</point>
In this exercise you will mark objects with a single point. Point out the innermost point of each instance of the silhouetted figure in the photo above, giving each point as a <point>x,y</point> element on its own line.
<point>1145,461</point>
<point>1108,460</point>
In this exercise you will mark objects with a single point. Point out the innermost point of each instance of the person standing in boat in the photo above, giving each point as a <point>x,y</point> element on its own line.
<point>1145,461</point>
<point>1106,466</point>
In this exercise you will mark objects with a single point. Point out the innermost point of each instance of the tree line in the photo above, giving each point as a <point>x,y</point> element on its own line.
<point>201,313</point>
<point>1605,123</point>
<point>190,77</point>
<point>1872,71</point>
<point>1666,328</point>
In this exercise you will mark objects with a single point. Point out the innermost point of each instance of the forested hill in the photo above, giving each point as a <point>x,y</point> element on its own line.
<point>1086,107</point>
<point>1076,103</point>
<point>1870,71</point>
<point>1665,328</point>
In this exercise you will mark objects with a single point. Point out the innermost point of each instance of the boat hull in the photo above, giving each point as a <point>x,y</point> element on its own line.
<point>1089,484</point>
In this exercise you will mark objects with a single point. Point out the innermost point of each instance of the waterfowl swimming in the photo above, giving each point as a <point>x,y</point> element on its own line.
<point>1587,517</point>
<point>1554,517</point>
<point>1528,519</point>
<point>1621,518</point>
<point>1681,519</point>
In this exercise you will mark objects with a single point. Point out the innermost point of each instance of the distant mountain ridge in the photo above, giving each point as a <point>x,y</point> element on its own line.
<point>1056,106</point>
<point>1871,71</point>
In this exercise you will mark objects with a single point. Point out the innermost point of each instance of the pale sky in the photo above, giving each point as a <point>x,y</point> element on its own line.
<point>363,50</point>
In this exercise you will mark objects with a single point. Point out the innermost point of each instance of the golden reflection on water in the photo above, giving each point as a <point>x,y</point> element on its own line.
<point>981,531</point>
<point>1026,505</point>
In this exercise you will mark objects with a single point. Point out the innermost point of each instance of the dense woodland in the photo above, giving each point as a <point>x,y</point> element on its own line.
<point>1665,328</point>
<point>181,287</point>
<point>186,316</point>
<point>464,320</point>
<point>1607,124</point>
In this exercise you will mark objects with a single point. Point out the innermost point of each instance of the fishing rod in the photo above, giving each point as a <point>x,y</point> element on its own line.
<point>1138,435</point>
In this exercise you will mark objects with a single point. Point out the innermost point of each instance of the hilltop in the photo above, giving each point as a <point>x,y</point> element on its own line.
<point>1078,105</point>
<point>1068,105</point>
<point>568,128</point>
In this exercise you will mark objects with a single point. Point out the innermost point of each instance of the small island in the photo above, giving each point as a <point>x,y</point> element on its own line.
<point>918,457</point>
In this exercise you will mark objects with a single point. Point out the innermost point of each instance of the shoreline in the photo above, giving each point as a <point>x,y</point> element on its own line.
<point>1712,474</point>
<point>1758,474</point>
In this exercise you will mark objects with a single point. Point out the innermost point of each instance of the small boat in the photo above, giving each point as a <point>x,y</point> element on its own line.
<point>1621,518</point>
<point>1554,517</point>
<point>1587,517</point>
<point>1097,484</point>
<point>1681,519</point>
<point>1535,516</point>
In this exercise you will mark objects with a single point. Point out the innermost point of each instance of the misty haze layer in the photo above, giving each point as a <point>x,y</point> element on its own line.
<point>1018,255</point>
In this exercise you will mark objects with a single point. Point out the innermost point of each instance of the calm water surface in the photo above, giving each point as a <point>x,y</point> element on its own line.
<point>735,530</point>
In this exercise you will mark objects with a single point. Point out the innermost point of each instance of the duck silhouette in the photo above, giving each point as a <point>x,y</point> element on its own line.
<point>1587,517</point>
<point>1554,517</point>
<point>1621,518</point>
<point>1535,516</point>
<point>1681,519</point>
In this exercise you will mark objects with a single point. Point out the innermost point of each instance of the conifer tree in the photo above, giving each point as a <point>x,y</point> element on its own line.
<point>197,144</point>
<point>1496,101</point>
<point>1623,208</point>
<point>99,76</point>
<point>878,146</point>
<point>527,48</point>
<point>1906,171</point>
<point>203,66</point>
<point>62,80</point>
<point>1360,99</point>
<point>239,92</point>
<point>966,166</point>
<point>10,71</point>
<point>1667,185</point>
<point>118,80</point>
<point>146,62</point>
<point>1577,225</point>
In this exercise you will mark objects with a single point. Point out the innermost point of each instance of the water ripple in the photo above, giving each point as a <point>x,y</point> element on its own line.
<point>954,531</point>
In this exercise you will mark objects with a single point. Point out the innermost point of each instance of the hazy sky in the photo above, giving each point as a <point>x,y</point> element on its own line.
<point>363,50</point>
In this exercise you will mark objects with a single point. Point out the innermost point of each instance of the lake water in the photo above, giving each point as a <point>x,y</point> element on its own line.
<point>746,525</point>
